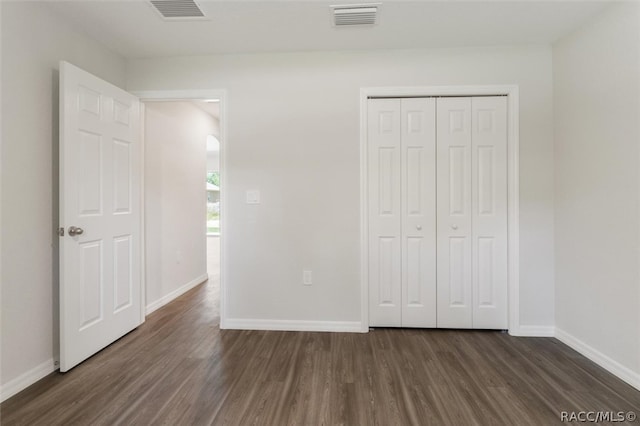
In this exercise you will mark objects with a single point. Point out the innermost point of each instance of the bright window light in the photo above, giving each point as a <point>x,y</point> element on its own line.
<point>213,144</point>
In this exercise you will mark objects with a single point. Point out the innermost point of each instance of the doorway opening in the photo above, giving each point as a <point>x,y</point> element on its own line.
<point>213,186</point>
<point>213,200</point>
<point>184,195</point>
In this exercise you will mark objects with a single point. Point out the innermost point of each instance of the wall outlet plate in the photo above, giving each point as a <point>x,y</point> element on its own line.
<point>306,277</point>
<point>253,196</point>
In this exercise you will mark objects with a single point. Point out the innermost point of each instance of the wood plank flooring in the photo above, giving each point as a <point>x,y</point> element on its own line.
<point>179,369</point>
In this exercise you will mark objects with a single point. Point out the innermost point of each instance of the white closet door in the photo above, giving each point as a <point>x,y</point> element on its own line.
<point>385,212</point>
<point>438,235</point>
<point>489,205</point>
<point>454,213</point>
<point>418,162</point>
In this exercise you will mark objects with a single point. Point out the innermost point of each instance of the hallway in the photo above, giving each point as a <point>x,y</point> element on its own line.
<point>213,260</point>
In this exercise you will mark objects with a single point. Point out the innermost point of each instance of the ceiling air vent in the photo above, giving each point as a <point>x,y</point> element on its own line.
<point>355,14</point>
<point>177,9</point>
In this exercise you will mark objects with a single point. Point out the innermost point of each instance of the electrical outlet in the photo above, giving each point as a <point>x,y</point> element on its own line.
<point>253,196</point>
<point>306,277</point>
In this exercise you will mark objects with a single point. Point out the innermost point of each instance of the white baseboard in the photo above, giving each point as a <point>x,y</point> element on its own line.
<point>27,379</point>
<point>155,305</point>
<point>534,331</point>
<point>288,325</point>
<point>614,367</point>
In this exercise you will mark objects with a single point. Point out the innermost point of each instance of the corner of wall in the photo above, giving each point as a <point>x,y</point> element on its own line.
<point>604,361</point>
<point>26,379</point>
<point>595,130</point>
<point>167,298</point>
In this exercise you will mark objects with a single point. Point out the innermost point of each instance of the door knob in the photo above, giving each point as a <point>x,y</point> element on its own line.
<point>418,227</point>
<point>454,227</point>
<point>73,231</point>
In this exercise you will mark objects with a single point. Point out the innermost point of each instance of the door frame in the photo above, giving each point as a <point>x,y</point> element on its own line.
<point>194,95</point>
<point>513,185</point>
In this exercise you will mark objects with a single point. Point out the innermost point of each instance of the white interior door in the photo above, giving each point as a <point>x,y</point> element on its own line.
<point>489,206</point>
<point>100,212</point>
<point>454,213</point>
<point>385,212</point>
<point>418,182</point>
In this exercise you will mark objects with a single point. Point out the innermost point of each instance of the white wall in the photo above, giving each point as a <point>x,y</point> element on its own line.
<point>175,197</point>
<point>33,41</point>
<point>597,131</point>
<point>293,133</point>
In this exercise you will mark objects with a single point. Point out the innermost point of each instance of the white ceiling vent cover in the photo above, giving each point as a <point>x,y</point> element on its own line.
<point>178,9</point>
<point>355,14</point>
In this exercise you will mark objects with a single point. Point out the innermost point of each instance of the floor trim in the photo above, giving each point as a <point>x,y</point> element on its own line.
<point>604,361</point>
<point>26,379</point>
<point>155,305</point>
<point>287,325</point>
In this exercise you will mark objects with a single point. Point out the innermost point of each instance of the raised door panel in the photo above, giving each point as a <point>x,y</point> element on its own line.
<point>122,177</point>
<point>91,284</point>
<point>384,178</point>
<point>122,273</point>
<point>489,207</point>
<point>457,262</point>
<point>91,159</point>
<point>418,212</point>
<point>454,216</point>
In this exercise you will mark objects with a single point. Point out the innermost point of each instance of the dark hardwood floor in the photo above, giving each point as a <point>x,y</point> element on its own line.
<point>179,369</point>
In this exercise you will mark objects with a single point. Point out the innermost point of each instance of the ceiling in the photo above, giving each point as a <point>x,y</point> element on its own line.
<point>135,30</point>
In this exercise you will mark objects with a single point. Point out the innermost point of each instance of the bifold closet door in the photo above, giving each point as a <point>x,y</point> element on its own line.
<point>472,212</point>
<point>454,212</point>
<point>489,211</point>
<point>418,161</point>
<point>385,216</point>
<point>401,168</point>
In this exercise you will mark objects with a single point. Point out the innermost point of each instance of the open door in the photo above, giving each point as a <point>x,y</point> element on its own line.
<point>100,214</point>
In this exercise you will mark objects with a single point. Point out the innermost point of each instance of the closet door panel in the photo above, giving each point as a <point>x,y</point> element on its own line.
<point>454,213</point>
<point>418,183</point>
<point>489,206</point>
<point>385,212</point>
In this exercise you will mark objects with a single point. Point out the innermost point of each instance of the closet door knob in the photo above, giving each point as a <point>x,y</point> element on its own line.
<point>418,227</point>
<point>454,227</point>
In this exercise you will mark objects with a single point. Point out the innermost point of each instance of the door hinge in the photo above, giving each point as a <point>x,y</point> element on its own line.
<point>61,232</point>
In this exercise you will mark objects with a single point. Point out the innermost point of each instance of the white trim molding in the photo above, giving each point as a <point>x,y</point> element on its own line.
<point>179,95</point>
<point>26,379</point>
<point>143,202</point>
<point>513,185</point>
<point>157,304</point>
<point>202,94</point>
<point>287,325</point>
<point>604,361</point>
